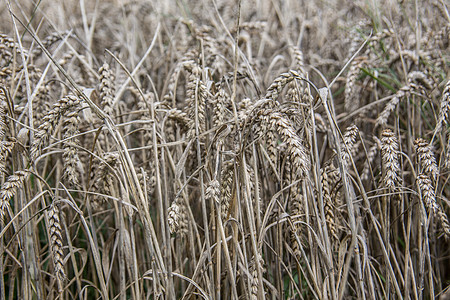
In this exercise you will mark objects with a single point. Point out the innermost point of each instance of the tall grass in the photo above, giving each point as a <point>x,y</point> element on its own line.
<point>224,149</point>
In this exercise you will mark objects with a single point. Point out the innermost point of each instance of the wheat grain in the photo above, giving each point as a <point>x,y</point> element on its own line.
<point>227,179</point>
<point>443,218</point>
<point>426,158</point>
<point>447,151</point>
<point>49,41</point>
<point>297,152</point>
<point>196,100</point>
<point>221,99</point>
<point>373,150</point>
<point>3,116</point>
<point>421,79</point>
<point>352,92</point>
<point>429,198</point>
<point>297,210</point>
<point>329,208</point>
<point>389,156</point>
<point>9,189</point>
<point>213,191</point>
<point>174,215</point>
<point>107,89</point>
<point>49,122</point>
<point>41,103</point>
<point>103,178</point>
<point>444,108</point>
<point>254,275</point>
<point>404,92</point>
<point>8,47</point>
<point>5,149</point>
<point>279,83</point>
<point>56,244</point>
<point>399,95</point>
<point>349,139</point>
<point>427,191</point>
<point>72,163</point>
<point>180,117</point>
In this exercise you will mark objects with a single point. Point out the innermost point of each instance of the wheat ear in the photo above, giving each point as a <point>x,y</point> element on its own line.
<point>279,83</point>
<point>9,189</point>
<point>444,221</point>
<point>70,156</point>
<point>426,158</point>
<point>371,154</point>
<point>174,215</point>
<point>444,108</point>
<point>352,94</point>
<point>107,89</point>
<point>295,148</point>
<point>429,198</point>
<point>56,244</point>
<point>329,208</point>
<point>349,139</point>
<point>254,276</point>
<point>389,155</point>
<point>49,122</point>
<point>227,179</point>
<point>428,194</point>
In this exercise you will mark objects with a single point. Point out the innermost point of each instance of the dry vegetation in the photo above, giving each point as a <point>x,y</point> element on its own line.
<point>223,150</point>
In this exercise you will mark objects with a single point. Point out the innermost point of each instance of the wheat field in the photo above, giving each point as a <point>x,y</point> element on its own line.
<point>224,149</point>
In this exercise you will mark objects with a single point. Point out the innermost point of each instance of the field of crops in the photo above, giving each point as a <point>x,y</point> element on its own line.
<point>224,149</point>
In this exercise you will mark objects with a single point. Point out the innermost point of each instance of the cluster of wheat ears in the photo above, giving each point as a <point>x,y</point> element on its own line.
<point>224,149</point>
